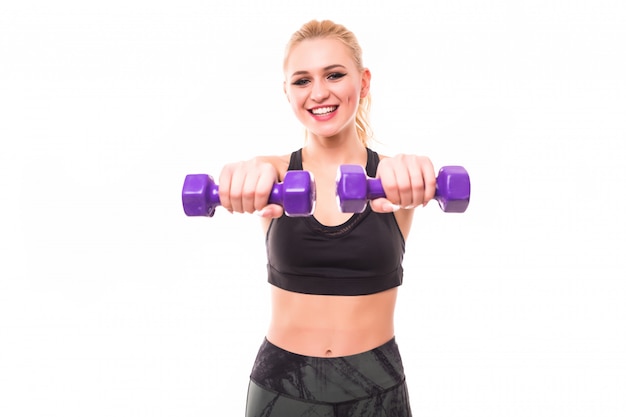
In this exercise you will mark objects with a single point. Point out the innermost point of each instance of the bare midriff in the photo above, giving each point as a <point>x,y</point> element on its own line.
<point>331,326</point>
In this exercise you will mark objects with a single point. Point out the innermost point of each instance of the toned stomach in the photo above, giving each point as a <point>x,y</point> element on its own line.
<point>331,326</point>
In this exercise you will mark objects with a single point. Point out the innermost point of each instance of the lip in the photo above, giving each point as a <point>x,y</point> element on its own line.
<point>324,116</point>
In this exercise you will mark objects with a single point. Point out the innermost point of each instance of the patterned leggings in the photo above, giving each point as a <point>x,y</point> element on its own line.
<point>285,384</point>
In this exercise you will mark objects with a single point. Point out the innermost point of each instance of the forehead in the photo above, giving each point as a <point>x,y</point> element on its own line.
<point>314,54</point>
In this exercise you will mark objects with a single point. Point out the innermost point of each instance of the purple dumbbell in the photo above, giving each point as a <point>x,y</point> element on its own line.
<point>296,194</point>
<point>355,189</point>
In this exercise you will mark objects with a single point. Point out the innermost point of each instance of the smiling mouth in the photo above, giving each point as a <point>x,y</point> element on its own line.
<point>321,111</point>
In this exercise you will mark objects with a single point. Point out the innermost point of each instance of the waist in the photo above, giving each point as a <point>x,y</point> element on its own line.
<point>328,379</point>
<point>331,326</point>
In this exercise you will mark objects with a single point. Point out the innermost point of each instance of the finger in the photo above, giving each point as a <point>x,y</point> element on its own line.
<point>264,185</point>
<point>388,181</point>
<point>225,180</point>
<point>383,205</point>
<point>405,185</point>
<point>270,211</point>
<point>396,181</point>
<point>417,186</point>
<point>236,189</point>
<point>429,180</point>
<point>248,192</point>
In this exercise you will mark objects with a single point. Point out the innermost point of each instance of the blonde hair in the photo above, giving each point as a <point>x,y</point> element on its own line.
<point>316,29</point>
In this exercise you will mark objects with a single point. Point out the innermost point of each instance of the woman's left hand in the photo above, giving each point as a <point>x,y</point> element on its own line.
<point>408,181</point>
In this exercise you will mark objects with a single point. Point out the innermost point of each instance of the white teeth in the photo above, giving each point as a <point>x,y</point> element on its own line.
<point>324,110</point>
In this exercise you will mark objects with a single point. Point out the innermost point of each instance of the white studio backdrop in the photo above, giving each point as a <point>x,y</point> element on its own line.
<point>113,303</point>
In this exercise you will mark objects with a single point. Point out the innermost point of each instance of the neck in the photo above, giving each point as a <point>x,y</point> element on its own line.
<point>338,149</point>
<point>322,154</point>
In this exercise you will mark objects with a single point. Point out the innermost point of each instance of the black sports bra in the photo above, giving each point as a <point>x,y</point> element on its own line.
<point>361,256</point>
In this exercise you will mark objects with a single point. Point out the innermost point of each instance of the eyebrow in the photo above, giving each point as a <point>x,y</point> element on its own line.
<point>328,68</point>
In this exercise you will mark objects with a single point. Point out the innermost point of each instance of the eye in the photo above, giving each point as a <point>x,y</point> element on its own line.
<point>336,75</point>
<point>300,82</point>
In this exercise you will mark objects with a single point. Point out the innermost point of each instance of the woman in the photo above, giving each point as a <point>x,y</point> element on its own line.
<point>330,348</point>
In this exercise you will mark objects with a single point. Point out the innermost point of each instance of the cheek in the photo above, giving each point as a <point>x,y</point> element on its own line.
<point>293,101</point>
<point>296,99</point>
<point>295,107</point>
<point>353,93</point>
<point>291,95</point>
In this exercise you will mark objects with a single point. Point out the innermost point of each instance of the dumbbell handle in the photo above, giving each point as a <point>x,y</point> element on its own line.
<point>296,194</point>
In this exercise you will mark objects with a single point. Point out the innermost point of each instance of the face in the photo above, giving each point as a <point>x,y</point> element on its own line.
<point>324,86</point>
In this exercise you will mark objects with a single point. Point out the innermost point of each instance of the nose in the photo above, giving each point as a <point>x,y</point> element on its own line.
<point>319,92</point>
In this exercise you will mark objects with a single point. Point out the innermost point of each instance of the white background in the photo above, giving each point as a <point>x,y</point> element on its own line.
<point>113,303</point>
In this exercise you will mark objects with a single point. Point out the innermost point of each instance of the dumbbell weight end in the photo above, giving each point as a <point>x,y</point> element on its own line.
<point>453,189</point>
<point>200,195</point>
<point>296,193</point>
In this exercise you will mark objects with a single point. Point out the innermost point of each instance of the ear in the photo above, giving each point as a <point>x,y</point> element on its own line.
<point>285,91</point>
<point>366,77</point>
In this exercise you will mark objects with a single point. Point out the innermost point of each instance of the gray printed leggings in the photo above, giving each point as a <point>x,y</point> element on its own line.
<point>285,384</point>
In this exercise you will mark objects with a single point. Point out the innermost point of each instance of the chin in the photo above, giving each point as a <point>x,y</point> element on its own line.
<point>326,131</point>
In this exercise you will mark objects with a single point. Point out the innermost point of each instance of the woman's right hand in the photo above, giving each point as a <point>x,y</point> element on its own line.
<point>245,187</point>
